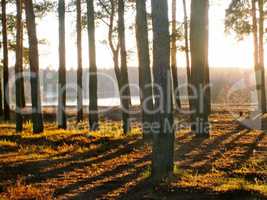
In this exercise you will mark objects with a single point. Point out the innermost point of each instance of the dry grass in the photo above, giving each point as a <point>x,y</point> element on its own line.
<point>79,164</point>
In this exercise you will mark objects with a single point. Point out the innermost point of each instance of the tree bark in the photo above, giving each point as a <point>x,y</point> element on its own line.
<point>115,51</point>
<point>37,118</point>
<point>199,62</point>
<point>261,56</point>
<point>93,107</point>
<point>125,90</point>
<point>173,56</point>
<point>23,100</point>
<point>62,121</point>
<point>79,59</point>
<point>1,98</point>
<point>187,56</point>
<point>5,62</point>
<point>163,136</point>
<point>19,61</point>
<point>207,92</point>
<point>145,80</point>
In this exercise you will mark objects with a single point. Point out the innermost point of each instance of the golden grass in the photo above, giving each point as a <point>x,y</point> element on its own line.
<point>65,146</point>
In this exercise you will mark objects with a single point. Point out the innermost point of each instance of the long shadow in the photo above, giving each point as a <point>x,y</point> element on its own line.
<point>7,149</point>
<point>54,173</point>
<point>244,157</point>
<point>63,141</point>
<point>140,188</point>
<point>106,174</point>
<point>188,146</point>
<point>35,167</point>
<point>207,165</point>
<point>44,141</point>
<point>109,186</point>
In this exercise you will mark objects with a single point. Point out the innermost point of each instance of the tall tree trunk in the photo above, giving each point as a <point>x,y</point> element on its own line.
<point>199,62</point>
<point>5,62</point>
<point>145,80</point>
<point>125,91</point>
<point>256,52</point>
<point>207,92</point>
<point>80,68</point>
<point>19,60</point>
<point>261,56</point>
<point>173,56</point>
<point>62,121</point>
<point>257,67</point>
<point>23,101</point>
<point>93,107</point>
<point>163,137</point>
<point>207,87</point>
<point>115,50</point>
<point>1,98</point>
<point>37,118</point>
<point>187,56</point>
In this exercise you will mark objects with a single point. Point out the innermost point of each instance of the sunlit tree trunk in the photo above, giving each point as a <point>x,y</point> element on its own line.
<point>79,68</point>
<point>23,100</point>
<point>93,107</point>
<point>37,118</point>
<point>5,62</point>
<point>257,65</point>
<point>261,56</point>
<point>115,48</point>
<point>187,55</point>
<point>173,56</point>
<point>145,80</point>
<point>163,136</point>
<point>199,63</point>
<point>125,90</point>
<point>256,51</point>
<point>1,98</point>
<point>62,121</point>
<point>19,61</point>
<point>207,92</point>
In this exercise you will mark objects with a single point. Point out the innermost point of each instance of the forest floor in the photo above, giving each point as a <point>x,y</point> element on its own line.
<point>78,164</point>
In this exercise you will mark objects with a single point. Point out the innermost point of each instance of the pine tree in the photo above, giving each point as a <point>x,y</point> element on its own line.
<point>163,136</point>
<point>93,107</point>
<point>62,121</point>
<point>37,118</point>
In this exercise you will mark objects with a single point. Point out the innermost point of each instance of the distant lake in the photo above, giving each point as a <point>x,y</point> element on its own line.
<point>112,101</point>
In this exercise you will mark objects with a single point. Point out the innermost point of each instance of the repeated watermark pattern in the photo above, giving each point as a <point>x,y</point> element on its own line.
<point>253,119</point>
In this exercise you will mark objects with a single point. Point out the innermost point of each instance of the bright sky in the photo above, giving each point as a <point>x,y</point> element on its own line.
<point>224,50</point>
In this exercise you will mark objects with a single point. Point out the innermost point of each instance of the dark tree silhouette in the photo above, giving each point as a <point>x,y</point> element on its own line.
<point>62,121</point>
<point>79,59</point>
<point>187,55</point>
<point>1,98</point>
<point>37,118</point>
<point>93,108</point>
<point>174,54</point>
<point>199,62</point>
<point>23,100</point>
<point>261,56</point>
<point>163,137</point>
<point>109,10</point>
<point>124,90</point>
<point>19,60</point>
<point>5,62</point>
<point>145,79</point>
